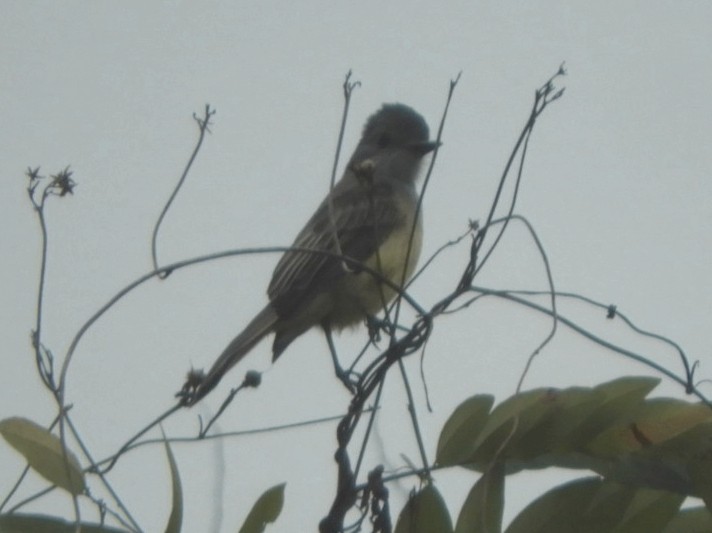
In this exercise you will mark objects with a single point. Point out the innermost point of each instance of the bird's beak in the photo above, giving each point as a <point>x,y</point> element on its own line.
<point>425,147</point>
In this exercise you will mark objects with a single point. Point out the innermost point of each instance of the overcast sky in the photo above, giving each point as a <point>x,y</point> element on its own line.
<point>617,185</point>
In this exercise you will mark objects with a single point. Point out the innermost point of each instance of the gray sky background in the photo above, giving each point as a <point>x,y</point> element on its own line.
<point>617,185</point>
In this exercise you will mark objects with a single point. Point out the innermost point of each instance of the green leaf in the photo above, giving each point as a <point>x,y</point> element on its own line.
<point>688,454</point>
<point>459,433</point>
<point>425,512</point>
<point>649,511</point>
<point>611,429</point>
<point>502,419</point>
<point>571,428</point>
<point>266,510</point>
<point>26,523</point>
<point>557,426</point>
<point>700,470</point>
<point>614,401</point>
<point>654,422</point>
<point>568,509</point>
<point>691,520</point>
<point>638,470</point>
<point>175,519</point>
<point>547,421</point>
<point>666,444</point>
<point>482,510</point>
<point>43,452</point>
<point>592,505</point>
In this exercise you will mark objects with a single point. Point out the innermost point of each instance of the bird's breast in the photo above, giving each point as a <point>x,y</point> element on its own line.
<point>364,293</point>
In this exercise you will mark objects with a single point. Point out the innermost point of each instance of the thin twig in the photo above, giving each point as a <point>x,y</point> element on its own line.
<point>348,88</point>
<point>601,342</point>
<point>203,127</point>
<point>103,479</point>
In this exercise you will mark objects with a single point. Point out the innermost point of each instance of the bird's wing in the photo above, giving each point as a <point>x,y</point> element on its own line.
<point>364,216</point>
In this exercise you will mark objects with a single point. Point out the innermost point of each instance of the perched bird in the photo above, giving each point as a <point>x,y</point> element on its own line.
<point>368,219</point>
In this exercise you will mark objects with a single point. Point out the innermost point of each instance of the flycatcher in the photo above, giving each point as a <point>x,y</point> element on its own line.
<point>368,219</point>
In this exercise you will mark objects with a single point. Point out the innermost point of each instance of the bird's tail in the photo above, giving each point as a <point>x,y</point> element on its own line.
<point>253,333</point>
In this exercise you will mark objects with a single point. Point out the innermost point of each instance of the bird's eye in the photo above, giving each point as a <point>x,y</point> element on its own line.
<point>384,140</point>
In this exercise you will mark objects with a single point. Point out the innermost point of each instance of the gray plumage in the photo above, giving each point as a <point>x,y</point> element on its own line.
<point>373,207</point>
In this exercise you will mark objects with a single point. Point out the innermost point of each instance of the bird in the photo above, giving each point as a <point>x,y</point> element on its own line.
<point>369,222</point>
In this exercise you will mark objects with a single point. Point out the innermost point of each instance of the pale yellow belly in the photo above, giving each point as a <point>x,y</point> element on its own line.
<point>364,294</point>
